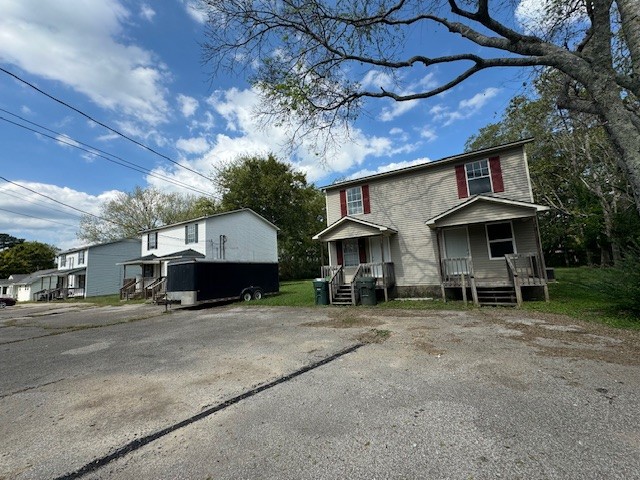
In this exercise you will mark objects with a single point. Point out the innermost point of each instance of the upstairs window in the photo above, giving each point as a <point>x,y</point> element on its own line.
<point>152,241</point>
<point>478,178</point>
<point>81,257</point>
<point>355,201</point>
<point>500,239</point>
<point>63,261</point>
<point>191,233</point>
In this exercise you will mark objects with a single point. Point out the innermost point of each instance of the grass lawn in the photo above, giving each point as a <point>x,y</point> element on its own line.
<point>577,293</point>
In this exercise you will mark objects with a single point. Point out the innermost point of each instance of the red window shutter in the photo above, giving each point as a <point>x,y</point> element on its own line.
<point>362,249</point>
<point>461,180</point>
<point>343,203</point>
<point>496,174</point>
<point>365,199</point>
<point>339,252</point>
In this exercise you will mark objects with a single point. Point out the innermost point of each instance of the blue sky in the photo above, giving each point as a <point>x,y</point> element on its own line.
<point>136,66</point>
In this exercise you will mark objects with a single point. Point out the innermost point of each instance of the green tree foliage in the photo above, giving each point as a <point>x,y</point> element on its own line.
<point>129,213</point>
<point>574,170</point>
<point>8,241</point>
<point>282,196</point>
<point>26,257</point>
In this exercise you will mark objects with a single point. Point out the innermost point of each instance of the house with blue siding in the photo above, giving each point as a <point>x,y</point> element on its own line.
<point>91,270</point>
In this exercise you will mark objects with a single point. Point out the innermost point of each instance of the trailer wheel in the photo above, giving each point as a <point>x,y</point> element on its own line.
<point>257,294</point>
<point>246,295</point>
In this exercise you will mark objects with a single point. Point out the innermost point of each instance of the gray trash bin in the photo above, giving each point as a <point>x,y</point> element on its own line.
<point>321,288</point>
<point>367,288</point>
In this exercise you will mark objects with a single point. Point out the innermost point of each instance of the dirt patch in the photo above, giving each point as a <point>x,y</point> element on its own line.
<point>559,336</point>
<point>346,318</point>
<point>374,336</point>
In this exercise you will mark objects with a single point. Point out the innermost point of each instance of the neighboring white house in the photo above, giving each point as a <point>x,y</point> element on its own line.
<point>29,287</point>
<point>92,270</point>
<point>236,236</point>
<point>8,285</point>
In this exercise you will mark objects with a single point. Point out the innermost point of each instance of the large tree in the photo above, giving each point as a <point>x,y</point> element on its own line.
<point>129,213</point>
<point>283,196</point>
<point>311,54</point>
<point>8,241</point>
<point>26,257</point>
<point>574,171</point>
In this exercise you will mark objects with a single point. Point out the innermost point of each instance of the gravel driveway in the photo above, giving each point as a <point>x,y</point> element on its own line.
<point>261,392</point>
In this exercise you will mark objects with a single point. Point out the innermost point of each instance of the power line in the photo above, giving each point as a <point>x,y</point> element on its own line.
<point>74,208</point>
<point>102,124</point>
<point>39,203</point>
<point>131,165</point>
<point>38,218</point>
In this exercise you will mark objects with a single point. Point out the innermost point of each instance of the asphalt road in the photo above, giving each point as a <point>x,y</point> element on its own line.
<point>244,392</point>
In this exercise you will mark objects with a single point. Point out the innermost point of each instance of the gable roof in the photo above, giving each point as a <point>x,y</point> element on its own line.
<point>199,219</point>
<point>94,245</point>
<point>511,209</point>
<point>32,277</point>
<point>150,259</point>
<point>431,164</point>
<point>362,229</point>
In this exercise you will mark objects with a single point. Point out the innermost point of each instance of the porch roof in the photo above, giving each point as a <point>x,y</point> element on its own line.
<point>153,259</point>
<point>351,227</point>
<point>484,208</point>
<point>65,273</point>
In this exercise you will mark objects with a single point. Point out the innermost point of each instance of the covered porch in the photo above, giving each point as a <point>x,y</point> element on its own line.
<point>356,249</point>
<point>150,282</point>
<point>490,252</point>
<point>62,284</point>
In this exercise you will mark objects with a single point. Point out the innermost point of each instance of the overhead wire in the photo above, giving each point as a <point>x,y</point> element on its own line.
<point>71,142</point>
<point>111,129</point>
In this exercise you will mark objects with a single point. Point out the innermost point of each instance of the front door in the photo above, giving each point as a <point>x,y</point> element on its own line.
<point>456,246</point>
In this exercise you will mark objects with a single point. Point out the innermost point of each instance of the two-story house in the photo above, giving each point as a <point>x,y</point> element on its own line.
<point>462,225</point>
<point>90,271</point>
<point>236,236</point>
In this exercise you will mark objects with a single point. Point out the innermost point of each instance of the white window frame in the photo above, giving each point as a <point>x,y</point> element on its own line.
<point>350,244</point>
<point>63,261</point>
<point>355,202</point>
<point>153,235</point>
<point>497,240</point>
<point>81,257</point>
<point>480,167</point>
<point>191,233</point>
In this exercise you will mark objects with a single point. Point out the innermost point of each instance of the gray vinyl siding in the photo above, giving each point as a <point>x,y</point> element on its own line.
<point>486,268</point>
<point>405,201</point>
<point>104,277</point>
<point>485,212</point>
<point>351,230</point>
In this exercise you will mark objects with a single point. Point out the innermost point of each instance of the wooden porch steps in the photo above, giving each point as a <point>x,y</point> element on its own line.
<point>343,296</point>
<point>497,296</point>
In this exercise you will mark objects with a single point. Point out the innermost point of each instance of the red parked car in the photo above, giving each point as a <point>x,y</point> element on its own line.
<point>7,302</point>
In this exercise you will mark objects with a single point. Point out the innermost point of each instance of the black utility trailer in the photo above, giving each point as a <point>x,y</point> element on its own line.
<point>196,281</point>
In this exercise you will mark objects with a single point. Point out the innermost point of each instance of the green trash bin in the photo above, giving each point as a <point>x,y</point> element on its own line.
<point>321,288</point>
<point>367,288</point>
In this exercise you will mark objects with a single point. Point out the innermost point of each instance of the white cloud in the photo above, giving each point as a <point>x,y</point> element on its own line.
<point>397,109</point>
<point>188,105</point>
<point>428,133</point>
<point>39,219</point>
<point>196,11</point>
<point>244,134</point>
<point>25,110</point>
<point>59,40</point>
<point>388,167</point>
<point>193,145</point>
<point>147,12</point>
<point>375,79</point>
<point>540,17</point>
<point>65,141</point>
<point>466,108</point>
